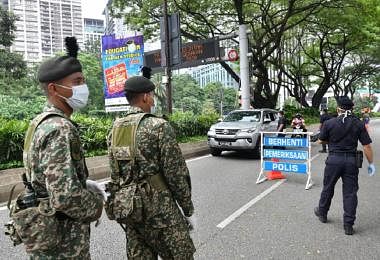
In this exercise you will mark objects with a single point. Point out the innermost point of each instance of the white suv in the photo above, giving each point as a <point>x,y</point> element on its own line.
<point>240,130</point>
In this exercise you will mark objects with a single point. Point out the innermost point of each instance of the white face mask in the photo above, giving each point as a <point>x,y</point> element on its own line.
<point>153,109</point>
<point>79,98</point>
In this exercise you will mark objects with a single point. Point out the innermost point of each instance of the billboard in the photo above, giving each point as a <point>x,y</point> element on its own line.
<point>121,59</point>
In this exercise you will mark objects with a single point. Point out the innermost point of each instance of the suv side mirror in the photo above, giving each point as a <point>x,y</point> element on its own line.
<point>267,121</point>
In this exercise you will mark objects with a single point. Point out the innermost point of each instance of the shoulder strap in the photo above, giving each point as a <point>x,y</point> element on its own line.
<point>29,138</point>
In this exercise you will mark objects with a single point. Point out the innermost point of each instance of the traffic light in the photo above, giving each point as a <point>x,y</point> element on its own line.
<point>146,72</point>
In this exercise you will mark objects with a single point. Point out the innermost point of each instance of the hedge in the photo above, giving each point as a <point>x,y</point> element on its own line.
<point>94,131</point>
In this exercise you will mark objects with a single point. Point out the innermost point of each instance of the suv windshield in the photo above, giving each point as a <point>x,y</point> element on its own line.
<point>243,116</point>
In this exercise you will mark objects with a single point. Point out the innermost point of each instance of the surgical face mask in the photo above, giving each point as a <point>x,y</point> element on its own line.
<point>153,109</point>
<point>79,98</point>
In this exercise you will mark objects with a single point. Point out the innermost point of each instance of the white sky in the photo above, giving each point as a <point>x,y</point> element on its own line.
<point>93,8</point>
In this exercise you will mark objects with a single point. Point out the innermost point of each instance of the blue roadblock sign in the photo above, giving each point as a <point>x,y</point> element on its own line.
<point>285,167</point>
<point>288,142</point>
<point>286,154</point>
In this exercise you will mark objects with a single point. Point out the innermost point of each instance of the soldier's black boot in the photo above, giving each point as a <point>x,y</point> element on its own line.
<point>322,218</point>
<point>348,230</point>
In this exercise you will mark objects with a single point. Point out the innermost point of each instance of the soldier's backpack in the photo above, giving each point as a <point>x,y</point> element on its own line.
<point>33,221</point>
<point>125,203</point>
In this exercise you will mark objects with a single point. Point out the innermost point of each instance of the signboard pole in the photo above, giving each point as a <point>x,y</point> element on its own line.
<point>167,59</point>
<point>244,67</point>
<point>261,178</point>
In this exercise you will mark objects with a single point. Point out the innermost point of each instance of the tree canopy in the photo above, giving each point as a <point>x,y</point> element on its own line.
<point>324,36</point>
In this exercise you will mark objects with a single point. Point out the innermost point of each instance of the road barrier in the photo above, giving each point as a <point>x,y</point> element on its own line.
<point>291,151</point>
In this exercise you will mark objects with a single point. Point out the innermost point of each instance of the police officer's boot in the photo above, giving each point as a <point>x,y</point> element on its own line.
<point>348,230</point>
<point>322,218</point>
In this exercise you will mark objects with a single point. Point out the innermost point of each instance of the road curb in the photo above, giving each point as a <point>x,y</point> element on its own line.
<point>98,168</point>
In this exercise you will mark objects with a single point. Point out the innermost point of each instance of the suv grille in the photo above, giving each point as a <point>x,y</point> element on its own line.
<point>226,131</point>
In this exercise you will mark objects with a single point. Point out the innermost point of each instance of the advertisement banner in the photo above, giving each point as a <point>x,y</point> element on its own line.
<point>121,59</point>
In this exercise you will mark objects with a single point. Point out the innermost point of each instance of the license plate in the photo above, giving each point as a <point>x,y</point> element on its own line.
<point>225,143</point>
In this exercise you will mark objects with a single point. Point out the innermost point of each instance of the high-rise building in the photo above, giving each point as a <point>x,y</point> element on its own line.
<point>93,30</point>
<point>43,25</point>
<point>115,25</point>
<point>212,73</point>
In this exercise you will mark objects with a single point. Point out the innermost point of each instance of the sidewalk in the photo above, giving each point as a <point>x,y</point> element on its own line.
<point>97,166</point>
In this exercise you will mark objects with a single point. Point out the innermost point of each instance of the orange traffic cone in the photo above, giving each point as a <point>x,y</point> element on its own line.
<point>273,175</point>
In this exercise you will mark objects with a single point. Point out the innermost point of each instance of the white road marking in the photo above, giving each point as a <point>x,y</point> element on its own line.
<point>3,208</point>
<point>240,211</point>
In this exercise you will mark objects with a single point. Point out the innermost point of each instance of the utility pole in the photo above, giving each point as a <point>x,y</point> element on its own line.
<point>244,67</point>
<point>167,58</point>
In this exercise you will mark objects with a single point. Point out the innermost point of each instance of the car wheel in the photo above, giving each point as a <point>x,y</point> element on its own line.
<point>216,152</point>
<point>257,150</point>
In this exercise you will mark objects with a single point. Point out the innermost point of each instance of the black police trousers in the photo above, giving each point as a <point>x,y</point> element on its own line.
<point>341,166</point>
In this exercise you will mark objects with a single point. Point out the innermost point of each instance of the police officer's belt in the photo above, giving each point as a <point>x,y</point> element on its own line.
<point>353,154</point>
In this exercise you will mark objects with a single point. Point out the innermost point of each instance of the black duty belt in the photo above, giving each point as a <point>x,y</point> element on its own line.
<point>345,154</point>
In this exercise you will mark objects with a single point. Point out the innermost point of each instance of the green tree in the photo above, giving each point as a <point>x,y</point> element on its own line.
<point>268,20</point>
<point>187,94</point>
<point>92,71</point>
<point>12,65</point>
<point>224,99</point>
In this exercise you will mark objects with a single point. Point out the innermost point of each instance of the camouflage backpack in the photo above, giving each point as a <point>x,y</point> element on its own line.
<point>33,221</point>
<point>124,202</point>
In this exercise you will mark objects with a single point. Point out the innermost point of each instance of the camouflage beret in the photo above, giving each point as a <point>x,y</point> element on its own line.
<point>59,67</point>
<point>344,102</point>
<point>139,84</point>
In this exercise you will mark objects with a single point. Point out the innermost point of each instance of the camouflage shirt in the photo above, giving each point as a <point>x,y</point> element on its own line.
<point>158,152</point>
<point>58,169</point>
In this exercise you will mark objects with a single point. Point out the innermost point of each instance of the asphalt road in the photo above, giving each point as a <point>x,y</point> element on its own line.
<point>273,220</point>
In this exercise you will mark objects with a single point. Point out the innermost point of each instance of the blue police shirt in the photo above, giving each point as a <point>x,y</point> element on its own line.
<point>353,130</point>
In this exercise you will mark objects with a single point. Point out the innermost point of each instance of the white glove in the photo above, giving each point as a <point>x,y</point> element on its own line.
<point>192,222</point>
<point>96,188</point>
<point>371,169</point>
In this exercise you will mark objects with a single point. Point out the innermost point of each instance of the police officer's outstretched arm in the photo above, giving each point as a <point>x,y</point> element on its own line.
<point>68,194</point>
<point>365,140</point>
<point>174,169</point>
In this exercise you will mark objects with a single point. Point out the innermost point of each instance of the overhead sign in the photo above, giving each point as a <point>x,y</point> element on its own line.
<point>285,167</point>
<point>286,154</point>
<point>121,59</point>
<point>192,54</point>
<point>290,142</point>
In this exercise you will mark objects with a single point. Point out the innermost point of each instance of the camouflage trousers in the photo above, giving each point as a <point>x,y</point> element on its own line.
<point>74,243</point>
<point>170,243</point>
<point>41,256</point>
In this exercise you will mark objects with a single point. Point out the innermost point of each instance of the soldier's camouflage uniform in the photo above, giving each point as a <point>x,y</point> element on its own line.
<point>58,168</point>
<point>163,229</point>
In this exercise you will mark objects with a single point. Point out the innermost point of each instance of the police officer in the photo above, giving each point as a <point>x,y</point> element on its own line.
<point>55,162</point>
<point>147,165</point>
<point>324,117</point>
<point>342,135</point>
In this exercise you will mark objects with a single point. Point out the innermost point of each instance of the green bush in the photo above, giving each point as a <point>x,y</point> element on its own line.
<point>94,131</point>
<point>11,139</point>
<point>187,124</point>
<point>22,108</point>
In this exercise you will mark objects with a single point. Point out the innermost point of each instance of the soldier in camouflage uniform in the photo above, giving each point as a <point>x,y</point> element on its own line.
<point>57,165</point>
<point>160,221</point>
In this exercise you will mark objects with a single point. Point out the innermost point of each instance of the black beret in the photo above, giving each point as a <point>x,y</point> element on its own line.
<point>139,84</point>
<point>59,67</point>
<point>344,102</point>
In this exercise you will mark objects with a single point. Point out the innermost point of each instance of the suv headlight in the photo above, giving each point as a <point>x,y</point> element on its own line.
<point>248,130</point>
<point>211,130</point>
